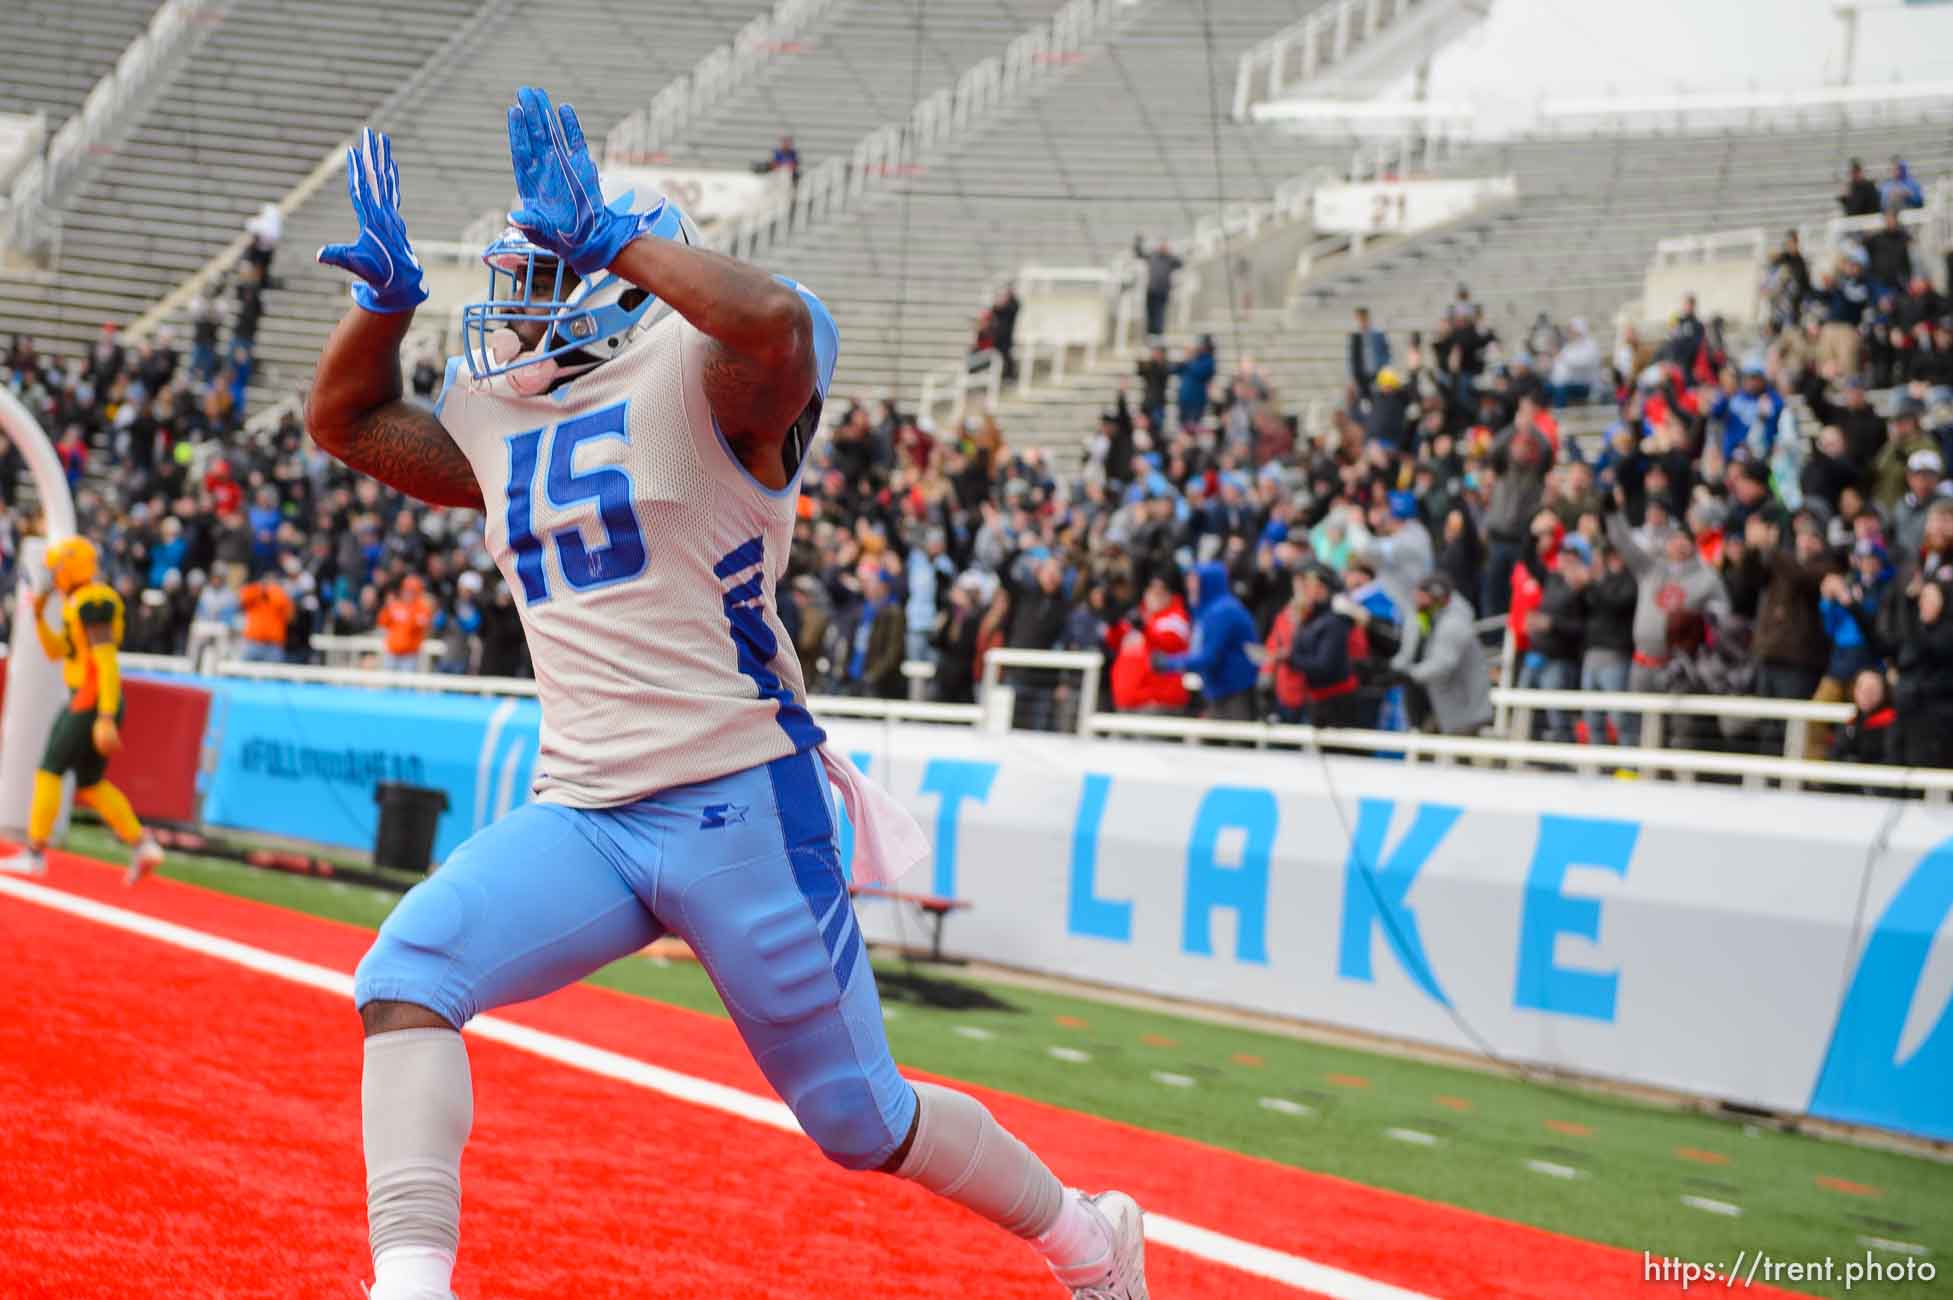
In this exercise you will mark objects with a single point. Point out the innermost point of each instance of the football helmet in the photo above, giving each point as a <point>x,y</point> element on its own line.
<point>586,322</point>
<point>72,563</point>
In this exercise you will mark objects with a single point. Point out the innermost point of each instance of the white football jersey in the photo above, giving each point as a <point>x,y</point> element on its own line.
<point>643,557</point>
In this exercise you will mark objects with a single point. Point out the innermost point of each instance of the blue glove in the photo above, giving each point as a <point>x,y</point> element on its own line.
<point>562,202</point>
<point>389,273</point>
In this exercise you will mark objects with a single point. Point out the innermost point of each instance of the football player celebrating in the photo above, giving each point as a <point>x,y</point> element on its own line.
<point>633,420</point>
<point>88,732</point>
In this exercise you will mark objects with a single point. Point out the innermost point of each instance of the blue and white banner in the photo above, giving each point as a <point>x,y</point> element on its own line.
<point>1783,950</point>
<point>303,761</point>
<point>1696,938</point>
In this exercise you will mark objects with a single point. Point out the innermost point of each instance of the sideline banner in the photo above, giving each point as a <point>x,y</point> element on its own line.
<point>303,761</point>
<point>1697,938</point>
<point>163,725</point>
<point>1705,939</point>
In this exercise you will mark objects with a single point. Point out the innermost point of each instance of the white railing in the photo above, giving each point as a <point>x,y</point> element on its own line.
<point>331,166</point>
<point>1312,46</point>
<point>898,150</point>
<point>1591,760</point>
<point>1520,707</point>
<point>643,136</point>
<point>1744,110</point>
<point>995,700</point>
<point>48,182</point>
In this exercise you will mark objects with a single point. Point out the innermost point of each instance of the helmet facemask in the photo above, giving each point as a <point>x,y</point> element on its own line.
<point>575,324</point>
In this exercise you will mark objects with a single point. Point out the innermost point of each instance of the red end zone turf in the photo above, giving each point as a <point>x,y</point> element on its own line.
<point>178,1124</point>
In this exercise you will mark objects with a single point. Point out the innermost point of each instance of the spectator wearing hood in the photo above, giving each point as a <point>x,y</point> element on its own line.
<point>1219,655</point>
<point>1900,190</point>
<point>1441,656</point>
<point>1196,374</point>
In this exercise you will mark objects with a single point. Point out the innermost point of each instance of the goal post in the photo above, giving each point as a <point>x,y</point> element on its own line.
<point>35,692</point>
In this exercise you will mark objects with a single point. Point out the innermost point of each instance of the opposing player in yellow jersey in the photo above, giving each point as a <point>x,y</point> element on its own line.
<point>88,731</point>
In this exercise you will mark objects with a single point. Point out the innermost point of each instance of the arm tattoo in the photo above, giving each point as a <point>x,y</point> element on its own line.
<point>406,448</point>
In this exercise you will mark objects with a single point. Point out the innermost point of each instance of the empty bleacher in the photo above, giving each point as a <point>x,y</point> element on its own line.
<point>1122,144</point>
<point>56,50</point>
<point>273,87</point>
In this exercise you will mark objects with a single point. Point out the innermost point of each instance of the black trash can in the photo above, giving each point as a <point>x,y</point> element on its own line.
<point>404,839</point>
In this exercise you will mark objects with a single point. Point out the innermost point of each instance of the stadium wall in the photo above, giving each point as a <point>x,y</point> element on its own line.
<point>1785,951</point>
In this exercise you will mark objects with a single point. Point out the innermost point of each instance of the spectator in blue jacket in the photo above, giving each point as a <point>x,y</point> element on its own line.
<point>1223,631</point>
<point>1900,190</point>
<point>168,552</point>
<point>1750,415</point>
<point>1196,372</point>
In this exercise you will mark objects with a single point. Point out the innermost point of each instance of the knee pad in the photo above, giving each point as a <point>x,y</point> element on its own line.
<point>417,953</point>
<point>840,1115</point>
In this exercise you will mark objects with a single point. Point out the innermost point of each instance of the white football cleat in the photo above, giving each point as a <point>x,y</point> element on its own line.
<point>148,856</point>
<point>1124,1277</point>
<point>25,863</point>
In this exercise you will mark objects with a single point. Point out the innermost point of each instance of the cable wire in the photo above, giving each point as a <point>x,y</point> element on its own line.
<point>1366,870</point>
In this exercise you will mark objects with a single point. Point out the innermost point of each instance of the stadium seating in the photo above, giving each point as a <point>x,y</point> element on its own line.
<point>1576,243</point>
<point>57,49</point>
<point>269,92</point>
<point>1124,144</point>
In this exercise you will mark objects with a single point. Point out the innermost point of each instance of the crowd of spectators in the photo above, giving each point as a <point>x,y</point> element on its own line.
<point>1750,523</point>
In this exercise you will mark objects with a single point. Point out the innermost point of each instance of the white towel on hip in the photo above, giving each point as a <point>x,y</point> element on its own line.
<point>887,840</point>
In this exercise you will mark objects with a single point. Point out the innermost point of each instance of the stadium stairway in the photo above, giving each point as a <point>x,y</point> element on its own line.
<point>1124,143</point>
<point>835,86</point>
<point>451,143</point>
<point>251,113</point>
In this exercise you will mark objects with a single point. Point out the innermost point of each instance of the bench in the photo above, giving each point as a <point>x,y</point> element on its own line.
<point>936,909</point>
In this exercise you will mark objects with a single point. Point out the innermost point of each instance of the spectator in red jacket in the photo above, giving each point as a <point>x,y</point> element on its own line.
<point>1166,629</point>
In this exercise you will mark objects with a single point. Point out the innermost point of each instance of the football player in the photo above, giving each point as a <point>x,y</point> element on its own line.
<point>632,413</point>
<point>88,732</point>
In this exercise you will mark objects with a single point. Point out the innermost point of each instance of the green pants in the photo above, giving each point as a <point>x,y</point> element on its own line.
<point>71,748</point>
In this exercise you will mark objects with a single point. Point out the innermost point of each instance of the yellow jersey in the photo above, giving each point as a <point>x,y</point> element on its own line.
<point>91,617</point>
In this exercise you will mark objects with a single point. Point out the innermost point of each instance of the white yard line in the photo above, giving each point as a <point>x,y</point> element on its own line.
<point>1218,1248</point>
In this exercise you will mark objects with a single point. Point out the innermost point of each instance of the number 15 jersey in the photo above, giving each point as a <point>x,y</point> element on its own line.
<point>643,557</point>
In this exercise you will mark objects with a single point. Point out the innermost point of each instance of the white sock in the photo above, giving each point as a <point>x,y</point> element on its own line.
<point>962,1154</point>
<point>412,1273</point>
<point>1076,1243</point>
<point>417,1105</point>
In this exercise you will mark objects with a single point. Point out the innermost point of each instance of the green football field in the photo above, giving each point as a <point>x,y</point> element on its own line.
<point>1692,1185</point>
